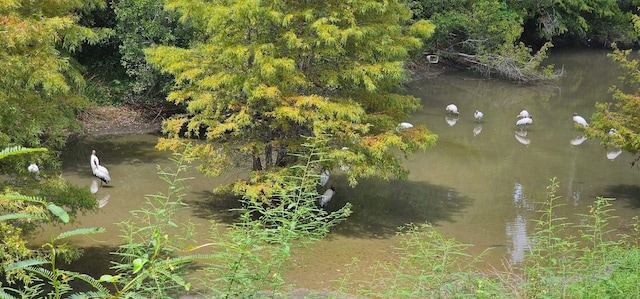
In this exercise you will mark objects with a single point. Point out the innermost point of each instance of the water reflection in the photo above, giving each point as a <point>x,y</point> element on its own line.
<point>477,130</point>
<point>103,201</point>
<point>521,136</point>
<point>451,120</point>
<point>485,169</point>
<point>516,230</point>
<point>578,140</point>
<point>613,154</point>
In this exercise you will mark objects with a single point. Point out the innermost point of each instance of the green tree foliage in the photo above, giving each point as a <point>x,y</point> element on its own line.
<point>142,24</point>
<point>617,123</point>
<point>484,34</point>
<point>592,21</point>
<point>40,83</point>
<point>267,73</point>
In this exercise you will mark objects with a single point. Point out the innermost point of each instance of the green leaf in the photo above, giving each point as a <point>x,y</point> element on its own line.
<point>15,216</point>
<point>108,278</point>
<point>80,232</point>
<point>19,150</point>
<point>59,212</point>
<point>138,264</point>
<point>26,263</point>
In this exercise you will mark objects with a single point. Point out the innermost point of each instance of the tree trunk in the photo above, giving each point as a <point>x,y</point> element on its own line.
<point>257,164</point>
<point>268,156</point>
<point>281,159</point>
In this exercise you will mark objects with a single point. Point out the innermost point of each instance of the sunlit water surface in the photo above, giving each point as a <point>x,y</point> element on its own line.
<point>481,184</point>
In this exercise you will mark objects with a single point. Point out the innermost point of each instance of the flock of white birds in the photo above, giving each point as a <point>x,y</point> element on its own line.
<point>524,119</point>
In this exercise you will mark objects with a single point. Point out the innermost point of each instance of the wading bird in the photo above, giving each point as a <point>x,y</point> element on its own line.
<point>524,122</point>
<point>580,120</point>
<point>99,171</point>
<point>403,125</point>
<point>453,109</point>
<point>33,168</point>
<point>326,197</point>
<point>478,115</point>
<point>523,114</point>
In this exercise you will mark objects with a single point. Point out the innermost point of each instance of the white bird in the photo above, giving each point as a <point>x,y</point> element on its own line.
<point>453,109</point>
<point>478,115</point>
<point>33,168</point>
<point>324,177</point>
<point>99,171</point>
<point>578,140</point>
<point>403,125</point>
<point>580,120</point>
<point>94,187</point>
<point>613,132</point>
<point>523,114</point>
<point>523,122</point>
<point>326,197</point>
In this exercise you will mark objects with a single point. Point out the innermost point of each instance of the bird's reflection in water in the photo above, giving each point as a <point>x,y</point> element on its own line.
<point>477,130</point>
<point>613,154</point>
<point>103,201</point>
<point>94,187</point>
<point>521,136</point>
<point>578,140</point>
<point>451,120</point>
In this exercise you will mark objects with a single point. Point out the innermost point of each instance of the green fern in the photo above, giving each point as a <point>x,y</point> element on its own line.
<point>16,216</point>
<point>19,150</point>
<point>80,232</point>
<point>26,263</point>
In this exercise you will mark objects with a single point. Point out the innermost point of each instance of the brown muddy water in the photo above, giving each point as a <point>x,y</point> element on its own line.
<point>480,184</point>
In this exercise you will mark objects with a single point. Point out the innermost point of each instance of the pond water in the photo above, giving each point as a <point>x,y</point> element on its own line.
<point>480,184</point>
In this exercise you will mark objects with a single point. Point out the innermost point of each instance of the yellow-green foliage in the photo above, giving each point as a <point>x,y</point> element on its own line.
<point>39,85</point>
<point>622,114</point>
<point>265,74</point>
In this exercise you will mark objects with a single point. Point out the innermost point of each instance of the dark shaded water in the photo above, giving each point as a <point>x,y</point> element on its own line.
<point>480,184</point>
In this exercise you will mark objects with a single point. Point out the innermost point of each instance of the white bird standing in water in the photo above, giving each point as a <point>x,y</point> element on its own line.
<point>523,114</point>
<point>33,168</point>
<point>580,120</point>
<point>98,170</point>
<point>403,125</point>
<point>523,122</point>
<point>326,197</point>
<point>324,177</point>
<point>453,109</point>
<point>478,115</point>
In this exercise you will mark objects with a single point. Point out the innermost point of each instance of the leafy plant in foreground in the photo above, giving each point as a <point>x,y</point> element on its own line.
<point>254,252</point>
<point>151,264</point>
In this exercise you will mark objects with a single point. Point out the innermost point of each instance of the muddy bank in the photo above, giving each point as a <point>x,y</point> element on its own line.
<point>115,120</point>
